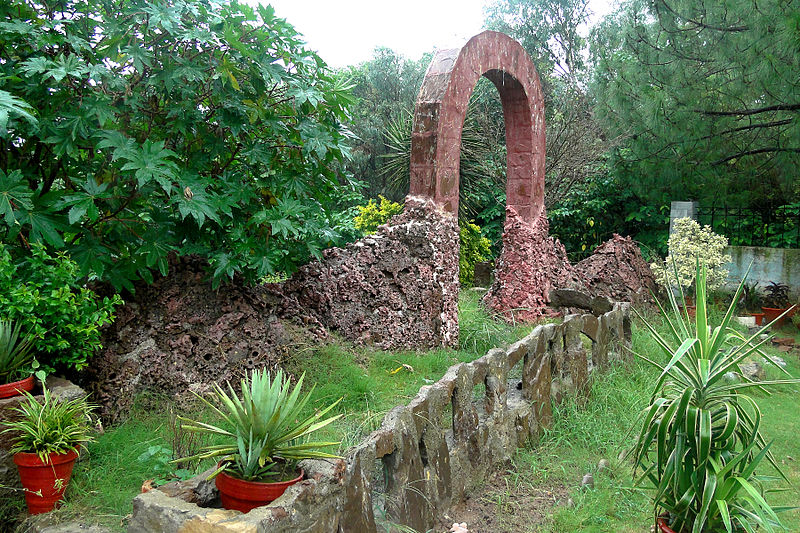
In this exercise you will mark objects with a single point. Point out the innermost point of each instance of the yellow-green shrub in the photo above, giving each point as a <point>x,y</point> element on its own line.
<point>474,247</point>
<point>374,214</point>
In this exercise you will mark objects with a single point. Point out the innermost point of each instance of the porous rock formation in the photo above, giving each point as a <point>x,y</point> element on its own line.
<point>618,271</point>
<point>178,335</point>
<point>530,264</point>
<point>397,288</point>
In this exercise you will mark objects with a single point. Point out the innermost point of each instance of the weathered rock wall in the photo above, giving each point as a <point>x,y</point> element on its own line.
<point>178,335</point>
<point>425,454</point>
<point>530,265</point>
<point>397,288</point>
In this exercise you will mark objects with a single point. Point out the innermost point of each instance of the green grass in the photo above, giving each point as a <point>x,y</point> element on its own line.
<point>581,437</point>
<point>367,380</point>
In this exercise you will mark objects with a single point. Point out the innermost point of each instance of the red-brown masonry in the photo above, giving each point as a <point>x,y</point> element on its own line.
<point>442,106</point>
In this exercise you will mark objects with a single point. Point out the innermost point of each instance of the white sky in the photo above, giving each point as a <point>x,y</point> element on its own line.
<point>345,32</point>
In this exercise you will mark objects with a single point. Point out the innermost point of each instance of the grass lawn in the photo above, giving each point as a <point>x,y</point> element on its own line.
<point>533,494</point>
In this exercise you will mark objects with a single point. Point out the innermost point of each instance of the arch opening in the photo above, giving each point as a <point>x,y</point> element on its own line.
<point>441,110</point>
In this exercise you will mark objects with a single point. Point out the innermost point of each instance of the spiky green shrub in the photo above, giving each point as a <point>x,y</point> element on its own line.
<point>265,428</point>
<point>50,426</point>
<point>700,442</point>
<point>15,351</point>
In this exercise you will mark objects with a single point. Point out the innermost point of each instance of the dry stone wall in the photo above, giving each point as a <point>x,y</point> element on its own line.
<point>425,454</point>
<point>397,288</point>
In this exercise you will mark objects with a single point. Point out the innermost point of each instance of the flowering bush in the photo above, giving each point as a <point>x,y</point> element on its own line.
<point>689,243</point>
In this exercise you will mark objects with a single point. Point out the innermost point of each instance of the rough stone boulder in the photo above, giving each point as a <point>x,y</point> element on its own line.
<point>179,335</point>
<point>397,288</point>
<point>571,298</point>
<point>618,271</point>
<point>530,264</point>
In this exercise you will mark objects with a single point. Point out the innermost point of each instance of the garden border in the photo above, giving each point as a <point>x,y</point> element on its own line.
<point>412,469</point>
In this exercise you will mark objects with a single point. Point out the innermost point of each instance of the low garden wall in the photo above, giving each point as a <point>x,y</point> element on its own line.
<point>425,454</point>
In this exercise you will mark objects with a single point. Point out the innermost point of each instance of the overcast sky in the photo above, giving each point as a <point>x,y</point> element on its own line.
<point>345,32</point>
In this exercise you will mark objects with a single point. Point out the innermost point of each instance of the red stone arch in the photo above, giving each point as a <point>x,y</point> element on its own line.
<point>441,109</point>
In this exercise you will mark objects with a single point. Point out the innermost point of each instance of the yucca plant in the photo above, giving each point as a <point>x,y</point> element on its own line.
<point>700,441</point>
<point>265,427</point>
<point>16,351</point>
<point>50,426</point>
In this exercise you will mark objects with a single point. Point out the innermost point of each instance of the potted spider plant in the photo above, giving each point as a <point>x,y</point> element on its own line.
<point>16,360</point>
<point>46,438</point>
<point>700,444</point>
<point>776,303</point>
<point>266,435</point>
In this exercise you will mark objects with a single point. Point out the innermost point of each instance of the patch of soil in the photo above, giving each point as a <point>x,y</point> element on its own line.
<point>502,505</point>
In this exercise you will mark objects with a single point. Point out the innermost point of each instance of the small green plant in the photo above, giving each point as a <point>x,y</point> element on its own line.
<point>688,244</point>
<point>473,248</point>
<point>266,430</point>
<point>374,214</point>
<point>50,426</point>
<point>160,457</point>
<point>700,441</point>
<point>16,352</point>
<point>44,295</point>
<point>750,300</point>
<point>777,295</point>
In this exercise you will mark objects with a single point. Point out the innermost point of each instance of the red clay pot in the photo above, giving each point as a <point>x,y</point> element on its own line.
<point>16,388</point>
<point>661,522</point>
<point>759,318</point>
<point>244,496</point>
<point>44,483</point>
<point>771,314</point>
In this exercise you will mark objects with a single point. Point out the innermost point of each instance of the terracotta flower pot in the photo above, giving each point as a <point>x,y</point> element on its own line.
<point>44,482</point>
<point>661,523</point>
<point>771,313</point>
<point>17,387</point>
<point>759,318</point>
<point>244,496</point>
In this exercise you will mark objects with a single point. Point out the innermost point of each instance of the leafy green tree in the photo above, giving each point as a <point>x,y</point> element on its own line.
<point>707,94</point>
<point>386,89</point>
<point>134,129</point>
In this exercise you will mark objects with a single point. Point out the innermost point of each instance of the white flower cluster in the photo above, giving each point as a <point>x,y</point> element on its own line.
<point>689,243</point>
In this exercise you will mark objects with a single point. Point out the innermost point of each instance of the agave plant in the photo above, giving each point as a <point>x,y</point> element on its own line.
<point>15,351</point>
<point>700,441</point>
<point>264,427</point>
